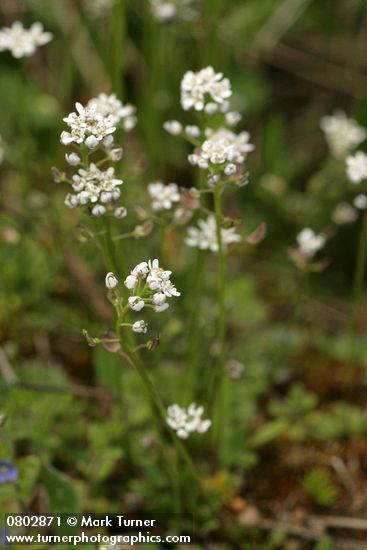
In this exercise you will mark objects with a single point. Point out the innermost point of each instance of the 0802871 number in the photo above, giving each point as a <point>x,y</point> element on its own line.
<point>31,521</point>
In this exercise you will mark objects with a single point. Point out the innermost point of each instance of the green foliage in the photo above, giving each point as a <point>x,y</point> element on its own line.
<point>319,486</point>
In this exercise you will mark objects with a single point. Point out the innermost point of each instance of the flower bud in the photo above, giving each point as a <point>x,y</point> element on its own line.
<point>111,281</point>
<point>73,159</point>
<point>91,142</point>
<point>140,326</point>
<point>136,303</point>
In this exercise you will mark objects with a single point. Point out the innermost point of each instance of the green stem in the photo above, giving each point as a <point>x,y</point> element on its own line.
<point>159,412</point>
<point>360,270</point>
<point>118,44</point>
<point>216,383</point>
<point>221,278</point>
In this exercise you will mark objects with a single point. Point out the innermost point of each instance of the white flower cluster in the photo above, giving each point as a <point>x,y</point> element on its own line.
<point>357,167</point>
<point>88,126</point>
<point>205,90</point>
<point>218,150</point>
<point>150,286</point>
<point>165,11</point>
<point>109,106</point>
<point>360,202</point>
<point>204,237</point>
<point>309,243</point>
<point>91,128</point>
<point>23,42</point>
<point>96,187</point>
<point>98,8</point>
<point>163,196</point>
<point>342,133</point>
<point>223,147</point>
<point>187,421</point>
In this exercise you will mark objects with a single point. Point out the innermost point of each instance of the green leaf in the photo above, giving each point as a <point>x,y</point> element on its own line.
<point>61,493</point>
<point>267,433</point>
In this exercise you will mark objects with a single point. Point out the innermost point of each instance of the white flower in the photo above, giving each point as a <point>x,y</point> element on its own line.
<point>158,279</point>
<point>344,213</point>
<point>120,212</point>
<point>92,186</point>
<point>161,307</point>
<point>159,298</point>
<point>186,421</point>
<point>98,210</point>
<point>202,87</point>
<point>140,326</point>
<point>136,303</point>
<point>163,196</point>
<point>131,281</point>
<point>232,118</point>
<point>309,243</point>
<point>205,236</point>
<point>342,134</point>
<point>360,202</point>
<point>223,147</point>
<point>192,131</point>
<point>110,106</point>
<point>111,280</point>
<point>141,270</point>
<point>116,154</point>
<point>87,125</point>
<point>98,8</point>
<point>73,159</point>
<point>165,11</point>
<point>173,127</point>
<point>92,142</point>
<point>357,167</point>
<point>23,42</point>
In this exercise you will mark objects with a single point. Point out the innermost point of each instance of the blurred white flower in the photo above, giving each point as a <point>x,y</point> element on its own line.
<point>87,122</point>
<point>98,8</point>
<point>23,42</point>
<point>202,87</point>
<point>342,134</point>
<point>173,127</point>
<point>163,196</point>
<point>309,243</point>
<point>192,131</point>
<point>344,213</point>
<point>232,118</point>
<point>111,280</point>
<point>140,326</point>
<point>357,167</point>
<point>110,106</point>
<point>165,11</point>
<point>205,235</point>
<point>187,420</point>
<point>360,201</point>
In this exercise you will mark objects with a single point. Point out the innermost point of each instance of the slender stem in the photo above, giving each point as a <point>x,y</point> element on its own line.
<point>221,279</point>
<point>360,270</point>
<point>215,398</point>
<point>118,53</point>
<point>160,414</point>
